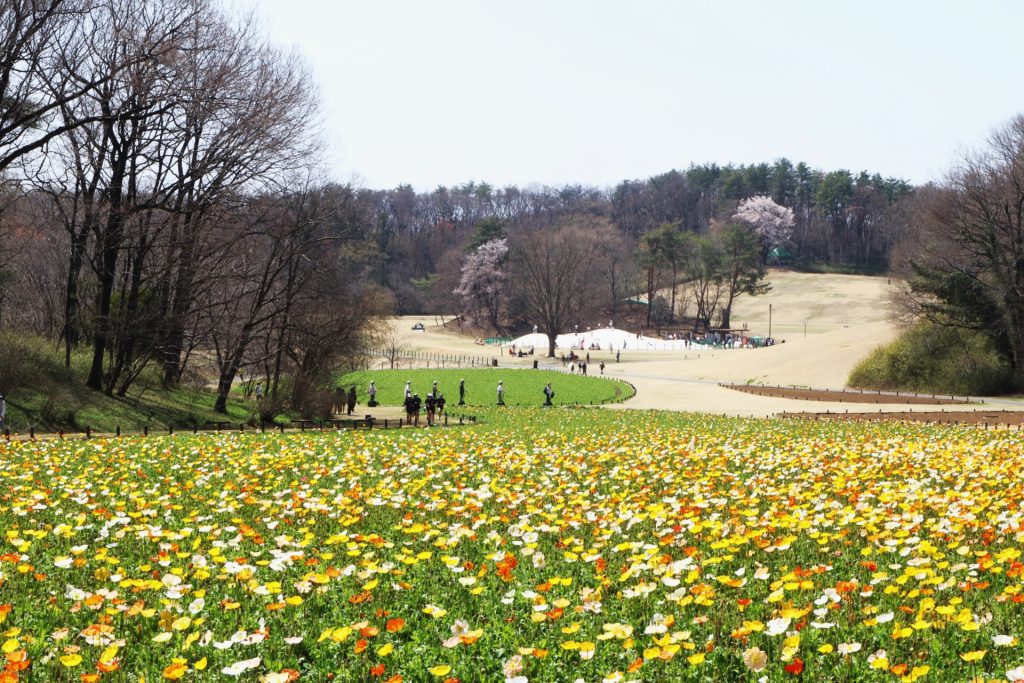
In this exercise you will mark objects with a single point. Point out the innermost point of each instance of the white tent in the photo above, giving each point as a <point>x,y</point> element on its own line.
<point>607,338</point>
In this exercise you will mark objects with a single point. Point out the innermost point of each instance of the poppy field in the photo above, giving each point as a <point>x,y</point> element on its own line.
<point>559,545</point>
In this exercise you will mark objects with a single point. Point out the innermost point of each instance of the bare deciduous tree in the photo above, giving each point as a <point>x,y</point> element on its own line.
<point>967,265</point>
<point>554,270</point>
<point>393,348</point>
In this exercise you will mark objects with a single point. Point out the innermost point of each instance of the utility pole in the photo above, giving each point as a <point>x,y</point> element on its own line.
<point>769,321</point>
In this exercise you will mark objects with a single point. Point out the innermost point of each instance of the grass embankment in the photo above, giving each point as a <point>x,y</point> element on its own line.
<point>933,359</point>
<point>522,387</point>
<point>44,395</point>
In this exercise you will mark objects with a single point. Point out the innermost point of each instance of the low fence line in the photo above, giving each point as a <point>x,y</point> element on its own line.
<point>366,423</point>
<point>855,392</point>
<point>979,418</point>
<point>453,359</point>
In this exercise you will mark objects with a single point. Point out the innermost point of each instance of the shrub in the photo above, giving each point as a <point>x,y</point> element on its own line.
<point>57,413</point>
<point>270,407</point>
<point>931,358</point>
<point>22,362</point>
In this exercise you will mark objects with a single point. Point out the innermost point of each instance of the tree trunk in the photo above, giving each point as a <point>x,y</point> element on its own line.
<point>279,359</point>
<point>79,239</point>
<point>108,270</point>
<point>551,345</point>
<point>126,354</point>
<point>650,293</point>
<point>726,315</point>
<point>110,247</point>
<point>672,311</point>
<point>71,333</point>
<point>180,304</point>
<point>230,370</point>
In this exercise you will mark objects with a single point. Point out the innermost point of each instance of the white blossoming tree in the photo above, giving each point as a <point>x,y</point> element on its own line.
<point>771,222</point>
<point>482,285</point>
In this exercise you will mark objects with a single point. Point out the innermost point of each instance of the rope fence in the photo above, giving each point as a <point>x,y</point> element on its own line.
<point>367,423</point>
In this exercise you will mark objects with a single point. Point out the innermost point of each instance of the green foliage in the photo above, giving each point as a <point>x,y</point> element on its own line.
<point>741,265</point>
<point>661,310</point>
<point>959,296</point>
<point>523,387</point>
<point>425,283</point>
<point>665,246</point>
<point>490,228</point>
<point>934,359</point>
<point>835,194</point>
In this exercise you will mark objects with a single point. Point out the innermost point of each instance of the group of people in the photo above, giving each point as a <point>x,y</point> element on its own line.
<point>576,361</point>
<point>434,403</point>
<point>345,401</point>
<point>582,365</point>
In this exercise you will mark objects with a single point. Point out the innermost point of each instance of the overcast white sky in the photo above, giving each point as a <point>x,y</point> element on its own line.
<point>440,92</point>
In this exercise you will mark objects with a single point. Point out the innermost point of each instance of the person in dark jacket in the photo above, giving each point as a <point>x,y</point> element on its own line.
<point>416,405</point>
<point>462,392</point>
<point>352,400</point>
<point>431,407</point>
<point>549,394</point>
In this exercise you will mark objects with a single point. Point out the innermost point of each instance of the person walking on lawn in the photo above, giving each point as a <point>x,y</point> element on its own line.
<point>431,407</point>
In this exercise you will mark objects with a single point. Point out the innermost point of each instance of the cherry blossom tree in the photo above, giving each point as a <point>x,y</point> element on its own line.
<point>482,286</point>
<point>772,222</point>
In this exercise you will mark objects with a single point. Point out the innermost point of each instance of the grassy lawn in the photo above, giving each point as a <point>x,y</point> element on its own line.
<point>522,387</point>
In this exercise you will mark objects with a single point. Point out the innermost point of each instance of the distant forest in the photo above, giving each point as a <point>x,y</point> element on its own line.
<point>843,221</point>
